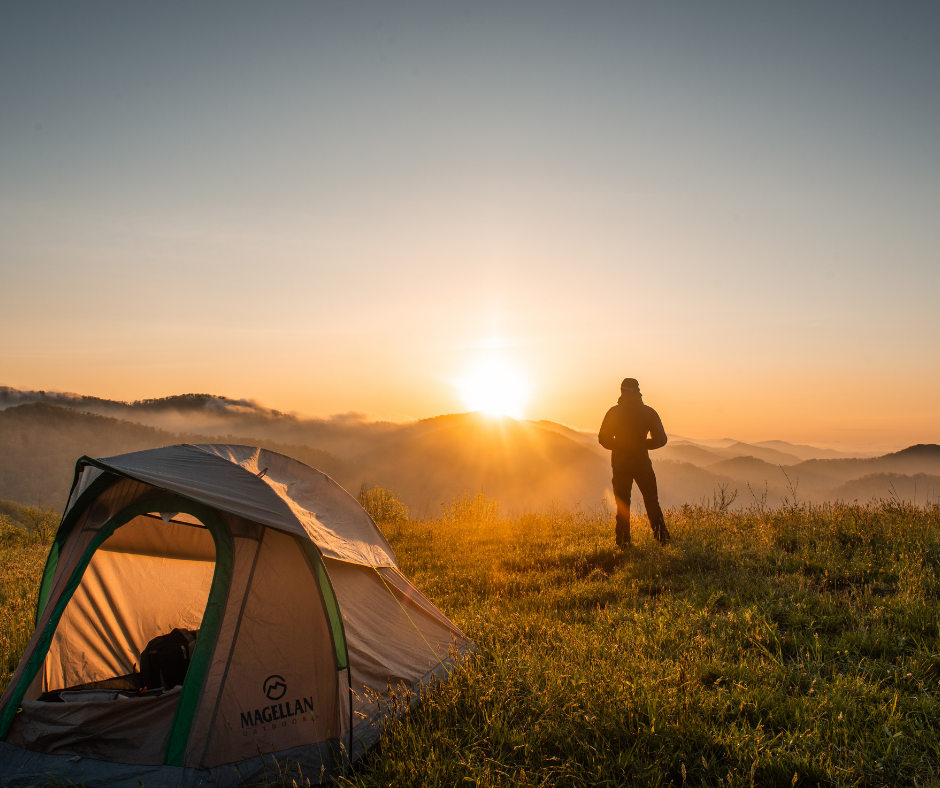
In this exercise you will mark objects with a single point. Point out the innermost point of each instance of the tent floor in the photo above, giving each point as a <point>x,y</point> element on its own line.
<point>317,762</point>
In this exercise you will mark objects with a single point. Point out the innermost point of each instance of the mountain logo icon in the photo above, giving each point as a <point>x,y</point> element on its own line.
<point>274,687</point>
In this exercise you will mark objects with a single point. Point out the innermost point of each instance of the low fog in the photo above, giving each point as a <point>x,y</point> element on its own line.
<point>525,465</point>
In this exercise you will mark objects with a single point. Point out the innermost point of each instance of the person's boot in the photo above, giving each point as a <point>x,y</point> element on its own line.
<point>623,527</point>
<point>623,536</point>
<point>661,532</point>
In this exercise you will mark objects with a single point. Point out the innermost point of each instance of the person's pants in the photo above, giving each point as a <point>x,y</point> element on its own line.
<point>642,473</point>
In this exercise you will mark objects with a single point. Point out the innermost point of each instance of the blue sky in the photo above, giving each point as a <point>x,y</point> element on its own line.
<point>336,207</point>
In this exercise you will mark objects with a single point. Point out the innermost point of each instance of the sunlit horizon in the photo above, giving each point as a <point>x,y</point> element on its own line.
<point>336,209</point>
<point>495,385</point>
<point>482,390</point>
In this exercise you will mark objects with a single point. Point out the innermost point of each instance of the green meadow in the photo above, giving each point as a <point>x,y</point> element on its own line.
<point>796,646</point>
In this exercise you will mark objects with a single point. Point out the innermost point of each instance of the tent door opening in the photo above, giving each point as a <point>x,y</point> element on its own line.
<point>143,601</point>
<point>133,621</point>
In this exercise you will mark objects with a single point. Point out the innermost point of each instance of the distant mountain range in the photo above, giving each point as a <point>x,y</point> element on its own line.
<point>426,462</point>
<point>523,464</point>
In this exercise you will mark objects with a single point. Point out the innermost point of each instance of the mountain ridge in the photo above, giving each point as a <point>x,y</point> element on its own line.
<point>524,464</point>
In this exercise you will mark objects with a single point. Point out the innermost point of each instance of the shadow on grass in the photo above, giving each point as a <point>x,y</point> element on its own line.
<point>600,564</point>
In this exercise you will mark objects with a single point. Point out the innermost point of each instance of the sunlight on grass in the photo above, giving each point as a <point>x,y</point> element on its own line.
<point>759,648</point>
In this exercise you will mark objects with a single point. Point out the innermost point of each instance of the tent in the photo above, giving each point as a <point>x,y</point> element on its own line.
<point>303,628</point>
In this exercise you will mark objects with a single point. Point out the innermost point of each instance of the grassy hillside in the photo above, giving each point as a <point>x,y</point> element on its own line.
<point>791,647</point>
<point>794,647</point>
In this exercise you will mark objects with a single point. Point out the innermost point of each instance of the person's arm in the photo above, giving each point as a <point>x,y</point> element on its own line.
<point>657,438</point>
<point>606,436</point>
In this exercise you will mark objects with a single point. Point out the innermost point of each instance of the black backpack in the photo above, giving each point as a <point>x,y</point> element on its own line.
<point>165,660</point>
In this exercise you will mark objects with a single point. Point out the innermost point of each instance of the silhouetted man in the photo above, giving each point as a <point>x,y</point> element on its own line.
<point>624,432</point>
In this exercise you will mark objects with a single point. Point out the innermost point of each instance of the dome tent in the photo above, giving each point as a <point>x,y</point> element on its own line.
<point>303,623</point>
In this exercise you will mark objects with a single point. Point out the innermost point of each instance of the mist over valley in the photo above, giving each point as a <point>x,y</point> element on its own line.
<point>525,465</point>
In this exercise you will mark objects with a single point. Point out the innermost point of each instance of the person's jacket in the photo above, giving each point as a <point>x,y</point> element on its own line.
<point>625,429</point>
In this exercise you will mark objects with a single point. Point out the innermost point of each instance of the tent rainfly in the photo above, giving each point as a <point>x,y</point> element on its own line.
<point>275,591</point>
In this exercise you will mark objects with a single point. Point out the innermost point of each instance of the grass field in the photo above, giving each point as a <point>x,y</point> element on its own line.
<point>791,647</point>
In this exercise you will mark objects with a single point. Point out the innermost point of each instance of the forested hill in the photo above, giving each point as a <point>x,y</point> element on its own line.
<point>40,443</point>
<point>426,463</point>
<point>524,465</point>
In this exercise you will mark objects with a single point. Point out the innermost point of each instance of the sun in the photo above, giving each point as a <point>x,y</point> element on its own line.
<point>495,385</point>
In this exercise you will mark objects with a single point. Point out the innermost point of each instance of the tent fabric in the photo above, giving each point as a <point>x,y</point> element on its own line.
<point>331,517</point>
<point>246,552</point>
<point>284,599</point>
<point>66,550</point>
<point>172,593</point>
<point>87,475</point>
<point>26,768</point>
<point>369,729</point>
<point>309,635</point>
<point>290,497</point>
<point>394,634</point>
<point>120,495</point>
<point>21,767</point>
<point>127,730</point>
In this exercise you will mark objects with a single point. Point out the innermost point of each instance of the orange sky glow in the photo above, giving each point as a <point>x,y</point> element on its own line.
<point>337,209</point>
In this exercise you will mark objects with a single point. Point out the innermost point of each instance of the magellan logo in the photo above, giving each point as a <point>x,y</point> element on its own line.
<point>278,713</point>
<point>274,687</point>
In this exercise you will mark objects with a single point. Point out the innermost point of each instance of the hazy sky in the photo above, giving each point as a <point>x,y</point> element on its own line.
<point>343,207</point>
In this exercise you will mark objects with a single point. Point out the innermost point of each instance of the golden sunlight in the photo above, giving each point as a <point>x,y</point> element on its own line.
<point>495,386</point>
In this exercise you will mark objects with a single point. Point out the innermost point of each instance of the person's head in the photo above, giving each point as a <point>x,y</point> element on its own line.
<point>630,390</point>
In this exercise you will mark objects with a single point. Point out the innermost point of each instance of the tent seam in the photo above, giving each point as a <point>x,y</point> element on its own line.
<point>228,662</point>
<point>104,466</point>
<point>321,565</point>
<point>436,655</point>
<point>224,561</point>
<point>96,488</point>
<point>390,553</point>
